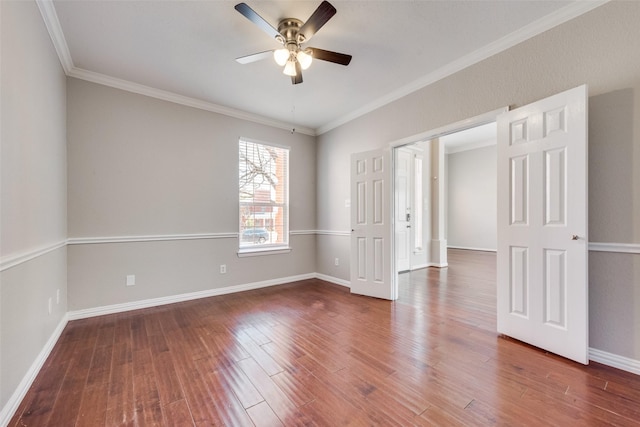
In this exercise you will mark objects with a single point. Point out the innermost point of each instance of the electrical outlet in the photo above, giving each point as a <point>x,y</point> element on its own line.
<point>131,280</point>
<point>336,262</point>
<point>223,269</point>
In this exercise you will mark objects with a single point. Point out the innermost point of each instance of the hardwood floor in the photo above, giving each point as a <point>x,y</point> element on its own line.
<point>309,353</point>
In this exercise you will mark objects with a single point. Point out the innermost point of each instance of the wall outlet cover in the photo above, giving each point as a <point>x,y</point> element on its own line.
<point>131,279</point>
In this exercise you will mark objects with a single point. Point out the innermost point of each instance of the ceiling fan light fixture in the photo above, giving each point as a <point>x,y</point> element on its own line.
<point>290,68</point>
<point>281,56</point>
<point>305,58</point>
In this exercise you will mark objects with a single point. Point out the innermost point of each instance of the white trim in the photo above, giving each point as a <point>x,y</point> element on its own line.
<point>9,409</point>
<point>164,95</point>
<point>262,251</point>
<point>334,280</point>
<point>332,233</point>
<point>466,248</point>
<point>50,17</point>
<point>51,21</point>
<point>615,361</point>
<point>438,265</point>
<point>543,24</point>
<point>150,238</point>
<point>626,248</point>
<point>9,261</point>
<point>471,122</point>
<point>154,302</point>
<point>302,232</point>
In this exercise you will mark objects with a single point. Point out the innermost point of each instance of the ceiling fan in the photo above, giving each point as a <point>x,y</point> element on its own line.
<point>291,34</point>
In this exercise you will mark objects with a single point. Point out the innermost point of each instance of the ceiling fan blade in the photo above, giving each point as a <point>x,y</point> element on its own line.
<point>252,16</point>
<point>298,77</point>
<point>327,55</point>
<point>254,57</point>
<point>322,14</point>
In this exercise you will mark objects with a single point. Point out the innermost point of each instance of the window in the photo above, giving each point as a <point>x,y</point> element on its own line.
<point>417,214</point>
<point>264,196</point>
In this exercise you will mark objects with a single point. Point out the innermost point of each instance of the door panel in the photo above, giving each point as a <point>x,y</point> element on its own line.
<point>371,232</point>
<point>542,224</point>
<point>403,209</point>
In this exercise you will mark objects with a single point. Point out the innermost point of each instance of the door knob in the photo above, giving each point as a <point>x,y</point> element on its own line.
<point>574,237</point>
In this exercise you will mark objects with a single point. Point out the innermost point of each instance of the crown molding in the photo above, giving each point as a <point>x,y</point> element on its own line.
<point>51,21</point>
<point>546,23</point>
<point>175,98</point>
<point>559,17</point>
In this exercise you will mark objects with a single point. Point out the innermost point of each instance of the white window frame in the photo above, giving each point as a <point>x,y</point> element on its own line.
<point>281,245</point>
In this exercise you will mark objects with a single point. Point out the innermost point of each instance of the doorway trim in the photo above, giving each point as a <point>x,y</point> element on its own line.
<point>439,214</point>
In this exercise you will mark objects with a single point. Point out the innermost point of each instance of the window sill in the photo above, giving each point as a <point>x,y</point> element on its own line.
<point>247,252</point>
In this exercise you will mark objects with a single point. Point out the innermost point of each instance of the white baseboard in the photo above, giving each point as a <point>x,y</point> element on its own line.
<point>16,398</point>
<point>615,361</point>
<point>334,280</point>
<point>438,265</point>
<point>154,302</point>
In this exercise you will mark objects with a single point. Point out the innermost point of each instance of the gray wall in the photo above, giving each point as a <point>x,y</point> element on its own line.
<point>600,48</point>
<point>33,192</point>
<point>472,199</point>
<point>141,167</point>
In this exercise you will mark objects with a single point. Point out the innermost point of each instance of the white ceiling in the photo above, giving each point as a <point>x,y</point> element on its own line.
<point>187,50</point>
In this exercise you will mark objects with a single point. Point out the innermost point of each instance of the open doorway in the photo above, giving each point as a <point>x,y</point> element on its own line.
<point>428,211</point>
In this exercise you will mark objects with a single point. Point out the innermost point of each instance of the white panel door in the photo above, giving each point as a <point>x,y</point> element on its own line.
<point>402,211</point>
<point>542,224</point>
<point>371,231</point>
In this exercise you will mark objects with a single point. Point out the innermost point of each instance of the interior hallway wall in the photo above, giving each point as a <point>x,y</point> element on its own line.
<point>472,199</point>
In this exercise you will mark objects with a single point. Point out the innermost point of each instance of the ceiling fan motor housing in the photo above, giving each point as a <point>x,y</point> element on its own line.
<point>288,29</point>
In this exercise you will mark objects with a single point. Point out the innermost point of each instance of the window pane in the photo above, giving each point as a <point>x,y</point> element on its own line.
<point>263,195</point>
<point>417,215</point>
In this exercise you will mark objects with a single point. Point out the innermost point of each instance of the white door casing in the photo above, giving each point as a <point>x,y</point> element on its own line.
<point>371,228</point>
<point>542,275</point>
<point>402,211</point>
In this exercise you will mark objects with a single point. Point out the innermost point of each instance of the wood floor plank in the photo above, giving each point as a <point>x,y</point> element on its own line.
<point>282,406</point>
<point>177,414</point>
<point>93,409</point>
<point>238,381</point>
<point>263,416</point>
<point>65,410</point>
<point>310,353</point>
<point>265,361</point>
<point>120,400</point>
<point>167,381</point>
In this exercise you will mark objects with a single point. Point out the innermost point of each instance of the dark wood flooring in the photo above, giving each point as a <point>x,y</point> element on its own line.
<point>309,353</point>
